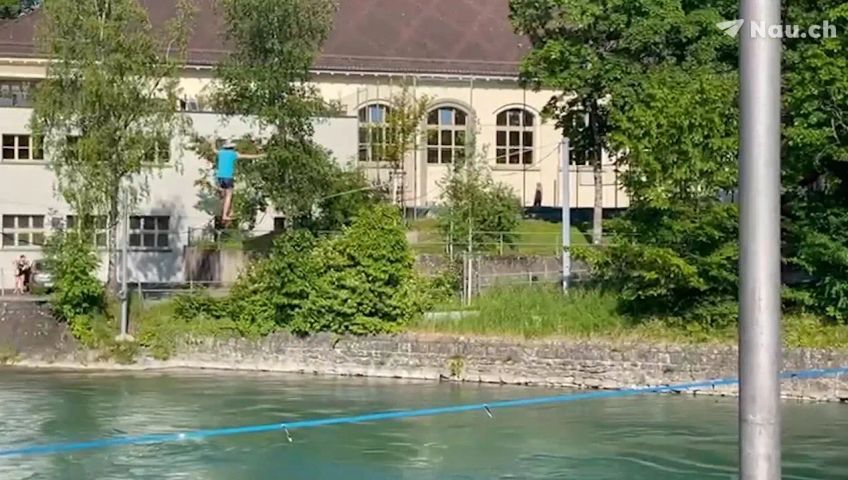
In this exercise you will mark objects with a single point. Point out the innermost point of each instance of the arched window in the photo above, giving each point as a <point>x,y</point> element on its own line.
<point>446,129</point>
<point>373,122</point>
<point>514,138</point>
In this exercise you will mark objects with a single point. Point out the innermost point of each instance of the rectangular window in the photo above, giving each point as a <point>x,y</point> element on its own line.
<point>279,224</point>
<point>150,232</point>
<point>23,231</point>
<point>21,148</point>
<point>159,153</point>
<point>16,93</point>
<point>96,226</point>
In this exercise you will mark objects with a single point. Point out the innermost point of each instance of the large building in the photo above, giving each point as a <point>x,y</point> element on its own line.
<point>462,54</point>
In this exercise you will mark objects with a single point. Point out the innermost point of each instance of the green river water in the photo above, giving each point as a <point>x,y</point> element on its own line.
<point>651,437</point>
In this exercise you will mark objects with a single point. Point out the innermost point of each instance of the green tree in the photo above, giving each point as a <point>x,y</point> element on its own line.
<point>476,208</point>
<point>405,117</point>
<point>10,8</point>
<point>266,76</point>
<point>587,49</point>
<point>366,283</point>
<point>109,102</point>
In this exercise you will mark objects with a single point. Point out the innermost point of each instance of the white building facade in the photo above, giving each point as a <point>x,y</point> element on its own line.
<point>462,55</point>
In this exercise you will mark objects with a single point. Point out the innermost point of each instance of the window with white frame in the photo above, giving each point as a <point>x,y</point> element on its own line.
<point>23,231</point>
<point>159,153</point>
<point>150,232</point>
<point>21,147</point>
<point>16,93</point>
<point>514,140</point>
<point>96,226</point>
<point>446,134</point>
<point>373,126</point>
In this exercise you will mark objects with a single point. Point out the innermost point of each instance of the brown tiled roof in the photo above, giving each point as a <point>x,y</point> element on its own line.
<point>404,36</point>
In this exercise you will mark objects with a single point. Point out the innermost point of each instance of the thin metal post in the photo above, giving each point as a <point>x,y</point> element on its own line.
<point>125,295</point>
<point>564,166</point>
<point>759,238</point>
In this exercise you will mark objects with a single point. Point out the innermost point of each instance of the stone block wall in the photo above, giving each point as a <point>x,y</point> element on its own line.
<point>572,364</point>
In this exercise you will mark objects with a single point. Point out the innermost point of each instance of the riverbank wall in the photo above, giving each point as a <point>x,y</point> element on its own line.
<point>30,337</point>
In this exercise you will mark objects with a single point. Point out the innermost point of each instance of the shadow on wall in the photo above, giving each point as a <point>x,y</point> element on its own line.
<point>163,262</point>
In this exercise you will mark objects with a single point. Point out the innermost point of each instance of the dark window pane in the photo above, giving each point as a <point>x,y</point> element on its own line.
<point>514,139</point>
<point>23,221</point>
<point>363,154</point>
<point>148,223</point>
<point>459,153</point>
<point>38,239</point>
<point>459,138</point>
<point>433,155</point>
<point>529,118</point>
<point>148,240</point>
<point>23,240</point>
<point>514,156</point>
<point>101,221</point>
<point>433,117</point>
<point>100,240</point>
<point>23,141</point>
<point>70,222</point>
<point>501,119</point>
<point>461,117</point>
<point>279,224</point>
<point>135,240</point>
<point>528,157</point>
<point>162,240</point>
<point>363,135</point>
<point>8,153</point>
<point>500,138</point>
<point>432,137</point>
<point>135,223</point>
<point>500,156</point>
<point>378,135</point>
<point>363,115</point>
<point>8,239</point>
<point>38,221</point>
<point>9,141</point>
<point>23,154</point>
<point>8,221</point>
<point>447,155</point>
<point>162,223</point>
<point>528,139</point>
<point>446,138</point>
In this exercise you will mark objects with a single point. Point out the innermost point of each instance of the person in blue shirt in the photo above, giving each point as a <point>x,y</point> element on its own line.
<point>226,169</point>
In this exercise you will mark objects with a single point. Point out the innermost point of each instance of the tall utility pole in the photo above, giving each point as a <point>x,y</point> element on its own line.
<point>564,167</point>
<point>760,356</point>
<point>125,294</point>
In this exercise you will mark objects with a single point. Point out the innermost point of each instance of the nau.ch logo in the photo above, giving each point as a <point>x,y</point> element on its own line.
<point>759,29</point>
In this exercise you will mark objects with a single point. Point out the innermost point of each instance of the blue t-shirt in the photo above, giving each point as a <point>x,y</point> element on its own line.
<point>227,163</point>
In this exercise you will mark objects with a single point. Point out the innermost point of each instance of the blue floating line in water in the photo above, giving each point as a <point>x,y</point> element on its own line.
<point>151,439</point>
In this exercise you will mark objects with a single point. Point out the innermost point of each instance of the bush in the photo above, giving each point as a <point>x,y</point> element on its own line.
<point>679,262</point>
<point>78,296</point>
<point>269,294</point>
<point>364,279</point>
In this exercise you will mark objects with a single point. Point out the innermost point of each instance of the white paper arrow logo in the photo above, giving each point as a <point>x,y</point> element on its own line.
<point>730,27</point>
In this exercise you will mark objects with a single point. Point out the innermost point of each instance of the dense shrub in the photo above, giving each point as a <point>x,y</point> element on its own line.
<point>78,296</point>
<point>273,289</point>
<point>364,279</point>
<point>672,263</point>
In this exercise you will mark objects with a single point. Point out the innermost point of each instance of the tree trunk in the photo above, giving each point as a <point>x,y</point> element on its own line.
<point>112,284</point>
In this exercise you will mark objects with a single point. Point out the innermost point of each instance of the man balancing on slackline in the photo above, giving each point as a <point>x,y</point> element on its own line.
<point>227,157</point>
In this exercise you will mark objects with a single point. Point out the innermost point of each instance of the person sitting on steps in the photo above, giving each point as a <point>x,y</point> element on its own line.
<point>226,169</point>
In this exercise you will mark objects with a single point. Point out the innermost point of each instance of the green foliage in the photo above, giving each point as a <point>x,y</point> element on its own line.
<point>672,263</point>
<point>477,208</point>
<point>78,296</point>
<point>365,282</point>
<point>269,295</point>
<point>112,85</point>
<point>160,327</point>
<point>10,8</point>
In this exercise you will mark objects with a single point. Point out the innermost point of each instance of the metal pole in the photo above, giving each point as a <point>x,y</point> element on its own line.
<point>759,240</point>
<point>125,233</point>
<point>564,166</point>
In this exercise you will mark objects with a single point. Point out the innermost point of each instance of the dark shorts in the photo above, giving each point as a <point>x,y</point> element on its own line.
<point>225,183</point>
